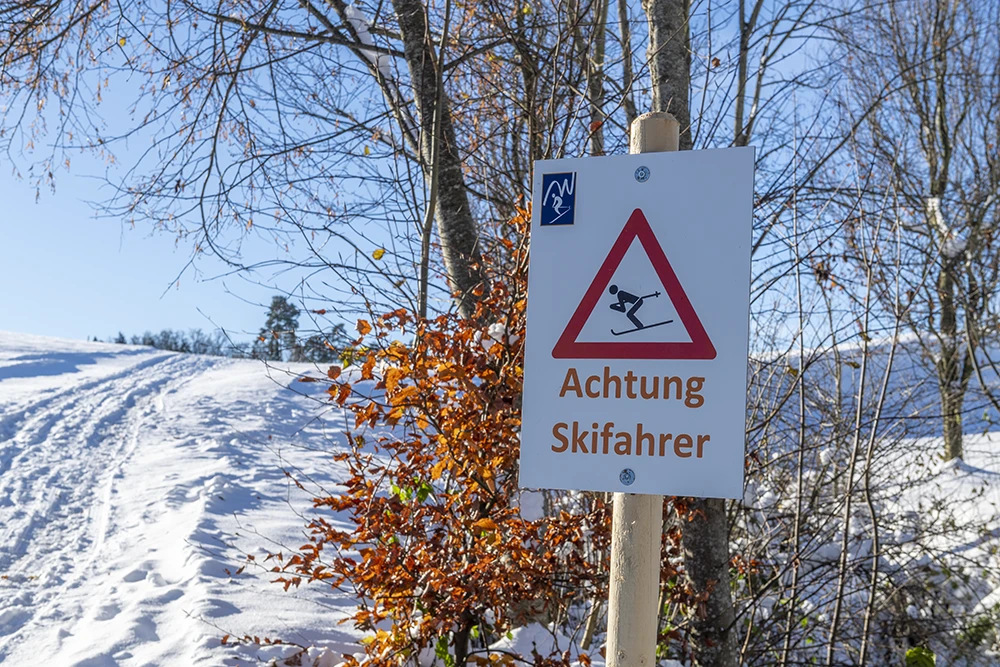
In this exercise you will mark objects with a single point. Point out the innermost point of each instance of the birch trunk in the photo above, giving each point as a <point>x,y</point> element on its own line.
<point>705,538</point>
<point>457,229</point>
<point>670,60</point>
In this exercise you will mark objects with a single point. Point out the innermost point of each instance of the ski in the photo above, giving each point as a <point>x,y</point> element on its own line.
<point>648,326</point>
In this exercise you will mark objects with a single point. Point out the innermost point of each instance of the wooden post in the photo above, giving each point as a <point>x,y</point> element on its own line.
<point>637,520</point>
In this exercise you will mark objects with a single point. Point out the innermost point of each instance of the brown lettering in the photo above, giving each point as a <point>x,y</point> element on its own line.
<point>702,439</point>
<point>676,381</point>
<point>560,437</point>
<point>578,439</point>
<point>640,437</point>
<point>606,436</point>
<point>571,383</point>
<point>623,446</point>
<point>630,379</point>
<point>608,379</point>
<point>682,445</point>
<point>692,395</point>
<point>664,439</point>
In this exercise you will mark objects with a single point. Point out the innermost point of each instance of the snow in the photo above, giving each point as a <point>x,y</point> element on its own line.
<point>953,247</point>
<point>135,483</point>
<point>541,639</point>
<point>130,481</point>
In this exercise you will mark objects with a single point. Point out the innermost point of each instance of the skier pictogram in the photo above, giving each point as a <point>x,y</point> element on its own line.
<point>630,304</point>
<point>700,345</point>
<point>558,206</point>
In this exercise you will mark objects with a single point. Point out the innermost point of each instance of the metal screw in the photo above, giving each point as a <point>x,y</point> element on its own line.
<point>642,174</point>
<point>627,476</point>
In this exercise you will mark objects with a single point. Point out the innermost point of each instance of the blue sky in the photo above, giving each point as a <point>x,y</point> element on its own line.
<point>64,272</point>
<point>67,272</point>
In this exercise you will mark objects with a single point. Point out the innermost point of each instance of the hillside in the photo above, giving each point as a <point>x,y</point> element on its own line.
<point>135,483</point>
<point>132,483</point>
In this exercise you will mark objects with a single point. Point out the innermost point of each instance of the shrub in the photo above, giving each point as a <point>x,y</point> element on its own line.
<point>438,553</point>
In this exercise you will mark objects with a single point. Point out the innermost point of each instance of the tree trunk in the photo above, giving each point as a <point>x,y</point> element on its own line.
<point>670,60</point>
<point>595,78</point>
<point>951,376</point>
<point>705,538</point>
<point>951,406</point>
<point>461,639</point>
<point>628,96</point>
<point>457,229</point>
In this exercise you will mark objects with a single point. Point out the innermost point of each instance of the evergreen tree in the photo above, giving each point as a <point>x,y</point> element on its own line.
<point>324,348</point>
<point>278,334</point>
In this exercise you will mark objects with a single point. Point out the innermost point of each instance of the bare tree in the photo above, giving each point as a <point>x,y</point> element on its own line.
<point>332,130</point>
<point>705,537</point>
<point>931,67</point>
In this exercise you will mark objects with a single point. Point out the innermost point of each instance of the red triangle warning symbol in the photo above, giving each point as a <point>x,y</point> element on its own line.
<point>700,345</point>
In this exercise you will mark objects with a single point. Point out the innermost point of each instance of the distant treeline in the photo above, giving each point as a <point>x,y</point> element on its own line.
<point>278,340</point>
<point>194,341</point>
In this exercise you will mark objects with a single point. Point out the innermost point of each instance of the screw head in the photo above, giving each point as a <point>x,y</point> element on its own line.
<point>642,174</point>
<point>627,476</point>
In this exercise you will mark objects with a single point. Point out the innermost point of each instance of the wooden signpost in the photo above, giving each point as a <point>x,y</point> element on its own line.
<point>637,520</point>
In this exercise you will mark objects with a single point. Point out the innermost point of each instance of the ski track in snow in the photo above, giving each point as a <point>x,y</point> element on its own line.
<point>130,480</point>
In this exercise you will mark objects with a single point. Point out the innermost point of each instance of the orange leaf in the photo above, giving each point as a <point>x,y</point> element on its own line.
<point>364,327</point>
<point>394,415</point>
<point>333,372</point>
<point>403,394</point>
<point>485,524</point>
<point>366,370</point>
<point>225,638</point>
<point>392,378</point>
<point>306,378</point>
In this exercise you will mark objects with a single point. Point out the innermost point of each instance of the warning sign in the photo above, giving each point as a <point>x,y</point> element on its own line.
<point>636,344</point>
<point>628,304</point>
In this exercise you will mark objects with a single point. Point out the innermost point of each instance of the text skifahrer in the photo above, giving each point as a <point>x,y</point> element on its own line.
<point>604,439</point>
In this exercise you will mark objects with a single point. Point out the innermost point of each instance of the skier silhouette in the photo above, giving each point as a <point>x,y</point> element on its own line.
<point>557,205</point>
<point>625,298</point>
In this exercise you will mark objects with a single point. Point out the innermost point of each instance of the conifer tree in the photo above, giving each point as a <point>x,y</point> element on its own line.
<point>278,333</point>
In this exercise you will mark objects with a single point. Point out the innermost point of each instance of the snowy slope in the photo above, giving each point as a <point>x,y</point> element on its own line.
<point>130,481</point>
<point>134,483</point>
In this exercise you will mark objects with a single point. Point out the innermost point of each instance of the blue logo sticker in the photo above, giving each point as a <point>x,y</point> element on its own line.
<point>558,199</point>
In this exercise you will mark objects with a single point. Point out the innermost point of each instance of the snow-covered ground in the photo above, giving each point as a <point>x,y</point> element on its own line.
<point>133,485</point>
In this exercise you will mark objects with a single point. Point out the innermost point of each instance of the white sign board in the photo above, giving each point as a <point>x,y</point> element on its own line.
<point>638,311</point>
